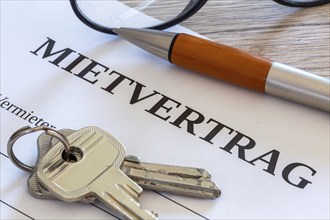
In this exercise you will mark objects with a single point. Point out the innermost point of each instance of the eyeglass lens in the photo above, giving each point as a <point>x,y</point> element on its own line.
<point>103,15</point>
<point>130,13</point>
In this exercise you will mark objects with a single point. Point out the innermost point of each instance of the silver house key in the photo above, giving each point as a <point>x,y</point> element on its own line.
<point>92,168</point>
<point>188,181</point>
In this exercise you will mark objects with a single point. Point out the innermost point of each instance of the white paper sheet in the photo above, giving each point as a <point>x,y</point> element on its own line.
<point>48,93</point>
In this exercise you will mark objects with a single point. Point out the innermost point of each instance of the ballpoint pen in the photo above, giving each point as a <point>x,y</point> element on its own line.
<point>233,66</point>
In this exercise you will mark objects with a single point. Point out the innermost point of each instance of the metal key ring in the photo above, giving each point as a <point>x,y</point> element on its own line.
<point>27,130</point>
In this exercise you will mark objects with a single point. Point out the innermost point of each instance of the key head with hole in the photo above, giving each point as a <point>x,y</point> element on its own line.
<point>44,143</point>
<point>92,169</point>
<point>94,151</point>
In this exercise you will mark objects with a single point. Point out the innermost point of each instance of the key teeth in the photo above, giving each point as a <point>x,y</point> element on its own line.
<point>218,194</point>
<point>132,158</point>
<point>155,214</point>
<point>189,181</point>
<point>205,173</point>
<point>125,205</point>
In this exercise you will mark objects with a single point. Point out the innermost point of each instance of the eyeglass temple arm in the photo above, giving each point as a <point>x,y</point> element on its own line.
<point>291,3</point>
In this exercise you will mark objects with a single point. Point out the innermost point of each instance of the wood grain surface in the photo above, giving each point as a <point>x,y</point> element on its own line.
<point>294,36</point>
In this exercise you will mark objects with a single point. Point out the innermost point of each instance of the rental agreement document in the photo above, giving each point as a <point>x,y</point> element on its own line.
<point>270,157</point>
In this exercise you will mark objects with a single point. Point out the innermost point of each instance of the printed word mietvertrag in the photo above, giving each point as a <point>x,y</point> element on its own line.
<point>90,70</point>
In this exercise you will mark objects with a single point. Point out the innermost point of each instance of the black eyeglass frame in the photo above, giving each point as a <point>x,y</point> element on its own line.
<point>293,3</point>
<point>192,7</point>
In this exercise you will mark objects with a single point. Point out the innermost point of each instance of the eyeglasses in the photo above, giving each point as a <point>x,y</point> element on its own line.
<point>101,16</point>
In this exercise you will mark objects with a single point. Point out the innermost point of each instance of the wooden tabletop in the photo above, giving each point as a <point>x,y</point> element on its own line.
<point>294,36</point>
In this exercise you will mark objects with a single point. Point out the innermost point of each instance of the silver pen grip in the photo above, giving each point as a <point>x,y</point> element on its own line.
<point>298,86</point>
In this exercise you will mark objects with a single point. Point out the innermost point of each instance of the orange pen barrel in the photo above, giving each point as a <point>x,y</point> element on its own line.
<point>220,61</point>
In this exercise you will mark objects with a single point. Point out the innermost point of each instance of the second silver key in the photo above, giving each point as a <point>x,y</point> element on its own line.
<point>189,181</point>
